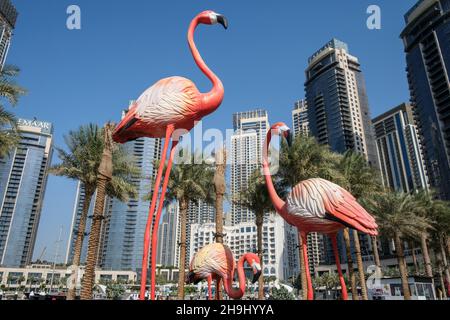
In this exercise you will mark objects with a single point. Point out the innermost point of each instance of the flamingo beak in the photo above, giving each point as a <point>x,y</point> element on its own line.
<point>287,133</point>
<point>190,278</point>
<point>222,20</point>
<point>256,272</point>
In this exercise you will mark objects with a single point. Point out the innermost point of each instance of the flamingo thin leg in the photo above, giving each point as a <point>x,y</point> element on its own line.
<point>338,265</point>
<point>305,259</point>
<point>158,218</point>
<point>150,214</point>
<point>209,279</point>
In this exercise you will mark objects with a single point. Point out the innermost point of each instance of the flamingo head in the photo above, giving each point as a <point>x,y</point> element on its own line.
<point>191,277</point>
<point>255,263</point>
<point>211,17</point>
<point>282,129</point>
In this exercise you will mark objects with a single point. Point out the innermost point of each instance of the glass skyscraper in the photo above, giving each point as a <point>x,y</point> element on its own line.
<point>402,166</point>
<point>8,17</point>
<point>338,108</point>
<point>426,39</point>
<point>23,177</point>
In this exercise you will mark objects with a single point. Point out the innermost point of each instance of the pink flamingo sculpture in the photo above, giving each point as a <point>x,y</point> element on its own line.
<point>170,104</point>
<point>216,262</point>
<point>317,205</point>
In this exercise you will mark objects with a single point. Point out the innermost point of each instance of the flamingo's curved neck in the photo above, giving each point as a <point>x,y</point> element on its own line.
<point>212,99</point>
<point>277,202</point>
<point>236,293</point>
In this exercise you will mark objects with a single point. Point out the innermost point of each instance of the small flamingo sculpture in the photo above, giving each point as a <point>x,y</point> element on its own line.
<point>317,205</point>
<point>170,104</point>
<point>216,262</point>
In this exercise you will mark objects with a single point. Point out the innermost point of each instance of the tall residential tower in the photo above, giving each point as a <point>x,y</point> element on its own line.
<point>399,149</point>
<point>426,39</point>
<point>23,177</point>
<point>8,17</point>
<point>338,108</point>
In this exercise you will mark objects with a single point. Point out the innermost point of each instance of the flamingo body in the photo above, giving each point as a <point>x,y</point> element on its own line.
<point>318,205</point>
<point>171,101</point>
<point>216,262</point>
<point>215,259</point>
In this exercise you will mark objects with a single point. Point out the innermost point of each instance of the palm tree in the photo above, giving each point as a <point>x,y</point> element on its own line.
<point>307,159</point>
<point>189,182</point>
<point>397,220</point>
<point>256,198</point>
<point>81,162</point>
<point>361,181</point>
<point>11,92</point>
<point>426,205</point>
<point>121,187</point>
<point>440,214</point>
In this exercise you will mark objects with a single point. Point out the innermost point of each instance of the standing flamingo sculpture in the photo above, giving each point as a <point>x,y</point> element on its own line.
<point>317,205</point>
<point>216,262</point>
<point>171,104</point>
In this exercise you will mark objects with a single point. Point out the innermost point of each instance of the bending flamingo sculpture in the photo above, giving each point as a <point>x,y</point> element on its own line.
<point>317,205</point>
<point>216,262</point>
<point>170,104</point>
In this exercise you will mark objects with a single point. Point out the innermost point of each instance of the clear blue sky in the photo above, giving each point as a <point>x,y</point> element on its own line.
<point>76,77</point>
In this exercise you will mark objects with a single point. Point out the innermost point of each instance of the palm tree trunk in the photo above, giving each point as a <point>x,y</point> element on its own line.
<point>414,257</point>
<point>182,267</point>
<point>94,237</point>
<point>376,254</point>
<point>402,266</point>
<point>426,255</point>
<point>105,171</point>
<point>259,233</point>
<point>88,193</point>
<point>362,275</point>
<point>445,265</point>
<point>303,281</point>
<point>448,245</point>
<point>220,189</point>
<point>438,259</point>
<point>351,273</point>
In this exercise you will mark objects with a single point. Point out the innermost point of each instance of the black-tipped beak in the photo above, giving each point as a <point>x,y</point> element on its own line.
<point>256,277</point>
<point>190,278</point>
<point>222,20</point>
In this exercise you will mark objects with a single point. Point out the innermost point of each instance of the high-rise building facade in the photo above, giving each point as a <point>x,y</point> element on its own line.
<point>338,108</point>
<point>126,222</point>
<point>402,166</point>
<point>168,237</point>
<point>426,39</point>
<point>251,128</point>
<point>300,122</point>
<point>23,178</point>
<point>8,17</point>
